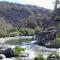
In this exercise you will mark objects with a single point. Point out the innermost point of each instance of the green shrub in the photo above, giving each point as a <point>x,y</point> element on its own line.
<point>14,29</point>
<point>39,58</point>
<point>57,18</point>
<point>57,41</point>
<point>13,34</point>
<point>37,30</point>
<point>58,35</point>
<point>26,31</point>
<point>29,31</point>
<point>22,31</point>
<point>2,34</point>
<point>17,50</point>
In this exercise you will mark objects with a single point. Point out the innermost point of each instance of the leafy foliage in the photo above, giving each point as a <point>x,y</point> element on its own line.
<point>39,58</point>
<point>13,34</point>
<point>37,30</point>
<point>26,31</point>
<point>14,29</point>
<point>17,50</point>
<point>57,41</point>
<point>58,35</point>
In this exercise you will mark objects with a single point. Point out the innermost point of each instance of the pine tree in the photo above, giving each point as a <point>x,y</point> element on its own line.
<point>56,17</point>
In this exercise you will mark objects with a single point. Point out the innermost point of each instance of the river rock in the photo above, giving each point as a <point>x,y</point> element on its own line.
<point>8,53</point>
<point>2,56</point>
<point>45,36</point>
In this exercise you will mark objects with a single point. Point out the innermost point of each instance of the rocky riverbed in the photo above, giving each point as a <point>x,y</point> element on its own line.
<point>31,51</point>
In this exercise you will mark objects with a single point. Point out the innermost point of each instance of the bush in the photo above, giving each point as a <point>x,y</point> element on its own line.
<point>2,34</point>
<point>58,35</point>
<point>26,31</point>
<point>12,30</point>
<point>37,30</point>
<point>39,58</point>
<point>14,34</point>
<point>57,18</point>
<point>57,41</point>
<point>29,31</point>
<point>17,50</point>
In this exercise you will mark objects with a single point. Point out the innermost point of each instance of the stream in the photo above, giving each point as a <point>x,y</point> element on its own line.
<point>30,48</point>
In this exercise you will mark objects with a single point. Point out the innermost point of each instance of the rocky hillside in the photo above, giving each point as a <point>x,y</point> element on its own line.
<point>25,15</point>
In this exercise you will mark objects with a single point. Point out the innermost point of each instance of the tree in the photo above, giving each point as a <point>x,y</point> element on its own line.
<point>56,17</point>
<point>57,2</point>
<point>56,5</point>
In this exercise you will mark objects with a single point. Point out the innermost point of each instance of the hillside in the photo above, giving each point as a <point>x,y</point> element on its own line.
<point>19,15</point>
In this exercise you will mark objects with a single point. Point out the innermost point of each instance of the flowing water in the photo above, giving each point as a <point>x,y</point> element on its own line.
<point>32,49</point>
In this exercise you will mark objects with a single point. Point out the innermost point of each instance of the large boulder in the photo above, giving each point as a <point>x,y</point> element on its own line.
<point>8,53</point>
<point>45,36</point>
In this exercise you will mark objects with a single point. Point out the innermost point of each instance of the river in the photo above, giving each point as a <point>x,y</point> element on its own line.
<point>32,49</point>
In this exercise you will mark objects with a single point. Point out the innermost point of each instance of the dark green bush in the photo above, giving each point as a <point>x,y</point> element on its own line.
<point>26,31</point>
<point>29,31</point>
<point>39,58</point>
<point>22,31</point>
<point>57,41</point>
<point>17,50</point>
<point>37,30</point>
<point>58,35</point>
